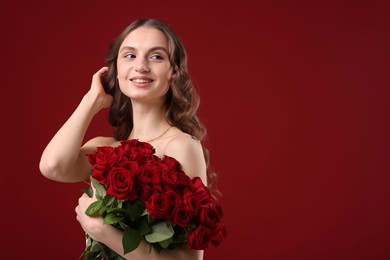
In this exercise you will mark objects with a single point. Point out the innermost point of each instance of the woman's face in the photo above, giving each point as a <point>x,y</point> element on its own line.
<point>143,65</point>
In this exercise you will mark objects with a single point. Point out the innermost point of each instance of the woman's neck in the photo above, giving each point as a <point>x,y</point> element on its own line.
<point>149,121</point>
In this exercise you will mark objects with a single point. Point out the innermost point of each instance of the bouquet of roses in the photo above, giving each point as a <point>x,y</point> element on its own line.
<point>149,198</point>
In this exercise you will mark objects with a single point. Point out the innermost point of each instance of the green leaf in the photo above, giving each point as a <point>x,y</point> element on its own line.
<point>116,210</point>
<point>89,241</point>
<point>94,208</point>
<point>179,239</point>
<point>100,190</point>
<point>165,243</point>
<point>109,200</point>
<point>112,218</point>
<point>85,254</point>
<point>102,210</point>
<point>130,240</point>
<point>160,232</point>
<point>96,246</point>
<point>88,191</point>
<point>142,226</point>
<point>122,225</point>
<point>134,209</point>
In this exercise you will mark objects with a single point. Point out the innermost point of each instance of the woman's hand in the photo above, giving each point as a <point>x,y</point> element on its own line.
<point>96,92</point>
<point>92,225</point>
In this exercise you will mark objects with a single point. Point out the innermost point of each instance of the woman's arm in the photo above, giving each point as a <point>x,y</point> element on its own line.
<point>63,158</point>
<point>112,237</point>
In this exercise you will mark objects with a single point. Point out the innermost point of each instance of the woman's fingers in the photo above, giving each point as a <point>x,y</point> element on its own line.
<point>100,72</point>
<point>97,92</point>
<point>97,80</point>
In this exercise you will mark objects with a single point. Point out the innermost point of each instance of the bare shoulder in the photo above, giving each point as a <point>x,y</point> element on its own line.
<point>183,142</point>
<point>189,153</point>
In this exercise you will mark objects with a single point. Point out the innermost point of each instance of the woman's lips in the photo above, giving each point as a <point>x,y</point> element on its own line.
<point>141,81</point>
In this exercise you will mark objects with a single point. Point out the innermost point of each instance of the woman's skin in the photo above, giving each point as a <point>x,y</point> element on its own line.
<point>144,71</point>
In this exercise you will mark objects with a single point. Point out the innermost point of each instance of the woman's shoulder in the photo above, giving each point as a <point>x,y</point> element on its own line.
<point>181,142</point>
<point>189,152</point>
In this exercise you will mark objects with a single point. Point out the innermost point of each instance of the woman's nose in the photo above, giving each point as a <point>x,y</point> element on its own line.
<point>141,66</point>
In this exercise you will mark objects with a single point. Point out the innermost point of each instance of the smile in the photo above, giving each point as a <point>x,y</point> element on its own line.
<point>141,80</point>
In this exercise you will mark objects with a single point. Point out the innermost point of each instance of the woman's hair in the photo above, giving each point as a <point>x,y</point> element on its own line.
<point>181,103</point>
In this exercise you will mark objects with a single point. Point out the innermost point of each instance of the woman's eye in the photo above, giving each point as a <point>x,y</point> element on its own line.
<point>156,57</point>
<point>129,56</point>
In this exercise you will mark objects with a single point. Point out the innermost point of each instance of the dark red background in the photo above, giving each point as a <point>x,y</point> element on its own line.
<point>295,96</point>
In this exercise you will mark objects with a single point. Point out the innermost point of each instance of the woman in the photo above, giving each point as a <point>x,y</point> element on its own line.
<point>151,98</point>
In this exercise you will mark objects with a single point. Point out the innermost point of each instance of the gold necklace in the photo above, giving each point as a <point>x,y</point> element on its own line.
<point>161,135</point>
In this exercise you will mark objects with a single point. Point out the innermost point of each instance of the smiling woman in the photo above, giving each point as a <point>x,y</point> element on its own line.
<point>151,98</point>
<point>143,65</point>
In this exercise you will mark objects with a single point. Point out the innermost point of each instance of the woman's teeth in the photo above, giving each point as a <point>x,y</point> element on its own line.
<point>141,80</point>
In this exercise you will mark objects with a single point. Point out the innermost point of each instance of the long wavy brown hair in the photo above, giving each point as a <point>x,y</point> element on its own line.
<point>182,100</point>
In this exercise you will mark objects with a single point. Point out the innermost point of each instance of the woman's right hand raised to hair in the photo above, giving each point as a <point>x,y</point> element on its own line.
<point>97,93</point>
<point>64,158</point>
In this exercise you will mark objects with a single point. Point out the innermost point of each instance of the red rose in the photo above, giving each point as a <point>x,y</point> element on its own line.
<point>154,160</point>
<point>158,188</point>
<point>198,238</point>
<point>173,198</point>
<point>92,158</point>
<point>210,215</point>
<point>169,177</point>
<point>158,205</point>
<point>181,215</point>
<point>145,192</point>
<point>99,172</point>
<point>192,202</point>
<point>131,166</point>
<point>135,149</point>
<point>106,156</point>
<point>171,162</point>
<point>218,234</point>
<point>149,175</point>
<point>183,179</point>
<point>133,143</point>
<point>121,184</point>
<point>201,191</point>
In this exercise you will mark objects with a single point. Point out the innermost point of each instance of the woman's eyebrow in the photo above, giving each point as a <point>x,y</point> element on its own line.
<point>126,48</point>
<point>129,48</point>
<point>158,48</point>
